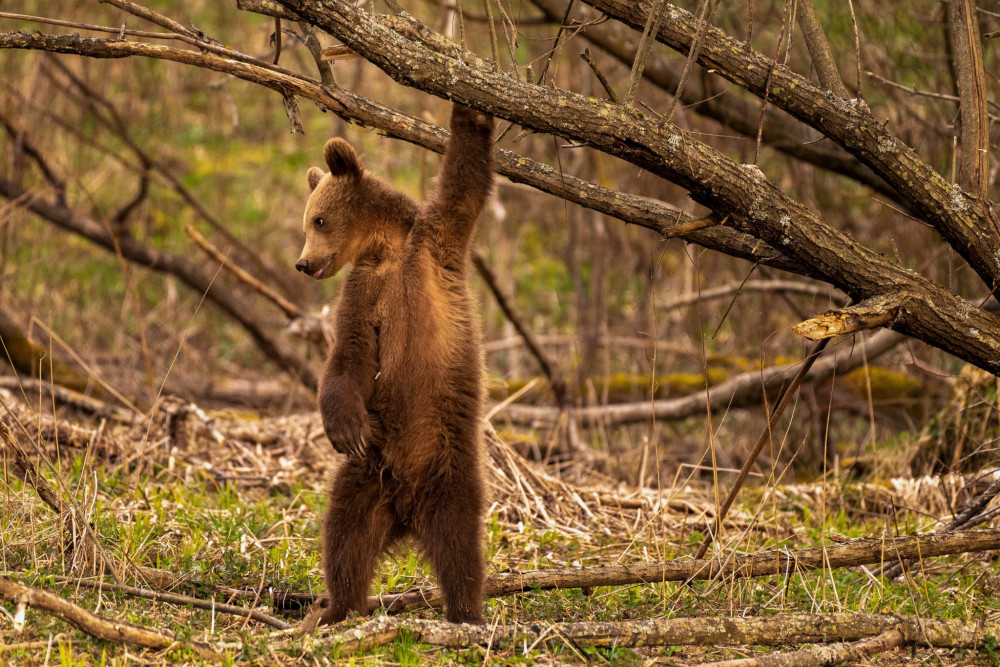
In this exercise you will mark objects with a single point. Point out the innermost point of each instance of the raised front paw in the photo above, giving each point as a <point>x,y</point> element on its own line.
<point>346,426</point>
<point>467,119</point>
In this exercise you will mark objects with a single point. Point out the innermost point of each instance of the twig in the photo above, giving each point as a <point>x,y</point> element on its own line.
<point>116,123</point>
<point>555,382</point>
<point>608,88</point>
<point>556,43</point>
<point>277,40</point>
<point>785,396</point>
<point>723,291</point>
<point>971,515</point>
<point>642,53</point>
<point>118,632</point>
<point>708,11</point>
<point>817,656</point>
<point>176,598</point>
<point>95,28</point>
<point>66,396</point>
<point>289,308</point>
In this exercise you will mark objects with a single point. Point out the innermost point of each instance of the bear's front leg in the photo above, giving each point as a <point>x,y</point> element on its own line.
<point>345,418</point>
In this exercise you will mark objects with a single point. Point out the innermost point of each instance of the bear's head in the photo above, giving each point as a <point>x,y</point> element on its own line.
<point>337,219</point>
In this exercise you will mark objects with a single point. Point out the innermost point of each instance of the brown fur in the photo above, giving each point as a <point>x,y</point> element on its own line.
<point>401,394</point>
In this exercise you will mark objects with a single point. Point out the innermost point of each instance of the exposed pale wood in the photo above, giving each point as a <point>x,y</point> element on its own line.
<point>871,314</point>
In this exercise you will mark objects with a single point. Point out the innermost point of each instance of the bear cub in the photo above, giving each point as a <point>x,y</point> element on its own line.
<point>402,390</point>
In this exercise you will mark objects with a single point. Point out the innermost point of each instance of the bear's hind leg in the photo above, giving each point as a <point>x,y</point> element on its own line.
<point>357,528</point>
<point>449,527</point>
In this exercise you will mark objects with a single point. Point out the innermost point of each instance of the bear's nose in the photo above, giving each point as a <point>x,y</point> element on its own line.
<point>302,265</point>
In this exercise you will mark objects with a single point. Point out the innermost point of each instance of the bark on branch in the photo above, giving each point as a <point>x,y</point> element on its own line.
<point>756,205</point>
<point>640,211</point>
<point>970,79</point>
<point>968,225</point>
<point>719,631</point>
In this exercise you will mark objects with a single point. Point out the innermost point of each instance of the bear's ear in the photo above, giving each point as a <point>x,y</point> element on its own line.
<point>314,176</point>
<point>341,158</point>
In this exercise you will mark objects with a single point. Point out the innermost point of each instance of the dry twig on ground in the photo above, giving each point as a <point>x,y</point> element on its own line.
<point>118,632</point>
<point>718,631</point>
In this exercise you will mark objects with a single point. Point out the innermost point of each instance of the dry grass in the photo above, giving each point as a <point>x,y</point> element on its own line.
<point>223,505</point>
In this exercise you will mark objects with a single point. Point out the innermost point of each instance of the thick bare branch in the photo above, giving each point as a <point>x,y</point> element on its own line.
<point>732,112</point>
<point>640,211</point>
<point>966,223</point>
<point>192,275</point>
<point>766,563</point>
<point>756,205</point>
<point>818,656</point>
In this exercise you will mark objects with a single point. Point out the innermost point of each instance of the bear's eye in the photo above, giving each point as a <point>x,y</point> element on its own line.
<point>318,223</point>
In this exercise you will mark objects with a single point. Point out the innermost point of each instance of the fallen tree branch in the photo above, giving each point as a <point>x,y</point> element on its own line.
<point>66,396</point>
<point>118,632</point>
<point>817,656</point>
<point>193,276</point>
<point>766,563</point>
<point>742,390</point>
<point>719,631</point>
<point>176,598</point>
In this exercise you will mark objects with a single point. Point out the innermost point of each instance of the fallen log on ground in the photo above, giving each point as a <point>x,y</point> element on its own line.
<point>118,632</point>
<point>816,656</point>
<point>717,631</point>
<point>742,390</point>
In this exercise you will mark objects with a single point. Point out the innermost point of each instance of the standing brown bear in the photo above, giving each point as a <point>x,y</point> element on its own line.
<point>401,394</point>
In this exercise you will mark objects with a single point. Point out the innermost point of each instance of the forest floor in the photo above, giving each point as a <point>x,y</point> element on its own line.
<point>226,507</point>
